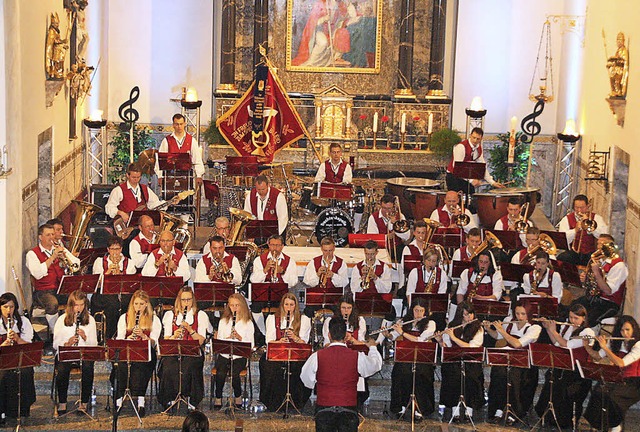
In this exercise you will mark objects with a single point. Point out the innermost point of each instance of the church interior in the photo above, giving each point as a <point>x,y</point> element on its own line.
<point>271,92</point>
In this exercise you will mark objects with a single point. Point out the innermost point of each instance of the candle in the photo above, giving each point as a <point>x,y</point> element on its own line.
<point>403,123</point>
<point>348,119</point>
<point>375,122</point>
<point>430,126</point>
<point>192,95</point>
<point>96,115</point>
<point>318,118</point>
<point>476,104</point>
<point>514,122</point>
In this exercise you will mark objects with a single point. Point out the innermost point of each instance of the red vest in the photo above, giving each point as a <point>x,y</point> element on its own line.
<point>279,331</point>
<point>444,218</point>
<point>464,256</point>
<point>330,176</point>
<point>468,152</point>
<point>618,296</point>
<point>382,226</point>
<point>483,289</point>
<point>105,264</point>
<point>157,253</point>
<point>145,246</point>
<point>414,250</point>
<point>208,262</point>
<point>521,256</point>
<point>264,258</point>
<point>631,371</point>
<point>548,289</point>
<point>337,376</point>
<point>421,285</point>
<point>129,202</point>
<point>52,280</point>
<point>505,222</point>
<point>194,326</point>
<point>378,270</point>
<point>317,263</point>
<point>588,243</point>
<point>173,144</point>
<point>270,206</point>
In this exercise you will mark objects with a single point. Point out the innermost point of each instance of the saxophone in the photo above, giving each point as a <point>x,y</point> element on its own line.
<point>432,279</point>
<point>535,282</point>
<point>474,287</point>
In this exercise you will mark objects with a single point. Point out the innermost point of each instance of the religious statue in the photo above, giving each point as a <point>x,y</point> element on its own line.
<point>79,80</point>
<point>56,50</point>
<point>618,67</point>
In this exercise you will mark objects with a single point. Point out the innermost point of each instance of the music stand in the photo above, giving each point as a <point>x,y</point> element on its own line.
<point>161,287</point>
<point>288,352</point>
<point>318,297</point>
<point>541,306</point>
<point>242,166</point>
<point>239,252</point>
<point>489,309</point>
<point>510,239</point>
<point>68,354</point>
<point>414,353</point>
<point>121,284</point>
<point>514,272</point>
<point>261,229</point>
<point>411,262</point>
<point>457,267</point>
<point>232,348</point>
<point>86,283</point>
<point>215,292</point>
<point>87,256</point>
<point>178,348</point>
<point>335,191</point>
<point>606,375</point>
<point>174,161</point>
<point>569,272</point>
<point>509,358</point>
<point>268,292</point>
<point>358,240</point>
<point>455,354</point>
<point>436,303</point>
<point>134,351</point>
<point>372,303</point>
<point>19,357</point>
<point>558,237</point>
<point>552,357</point>
<point>469,171</point>
<point>448,237</point>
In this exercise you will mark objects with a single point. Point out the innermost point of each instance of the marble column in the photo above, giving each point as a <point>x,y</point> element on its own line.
<point>228,57</point>
<point>436,60</point>
<point>405,53</point>
<point>260,29</point>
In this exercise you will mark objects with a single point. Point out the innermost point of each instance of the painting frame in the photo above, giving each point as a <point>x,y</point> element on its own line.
<point>336,39</point>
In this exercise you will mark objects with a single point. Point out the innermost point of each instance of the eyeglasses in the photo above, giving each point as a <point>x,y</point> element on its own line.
<point>187,299</point>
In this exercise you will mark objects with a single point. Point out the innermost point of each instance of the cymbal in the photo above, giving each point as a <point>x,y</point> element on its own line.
<point>277,164</point>
<point>147,161</point>
<point>368,168</point>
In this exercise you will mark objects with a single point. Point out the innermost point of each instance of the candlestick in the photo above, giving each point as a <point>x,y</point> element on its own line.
<point>402,135</point>
<point>375,137</point>
<point>375,122</point>
<point>403,123</point>
<point>430,126</point>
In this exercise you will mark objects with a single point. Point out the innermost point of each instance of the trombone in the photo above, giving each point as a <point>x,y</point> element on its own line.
<point>462,219</point>
<point>522,224</point>
<point>587,224</point>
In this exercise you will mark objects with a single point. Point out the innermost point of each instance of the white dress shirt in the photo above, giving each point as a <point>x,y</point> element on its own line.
<point>261,204</point>
<point>362,330</point>
<point>156,328</point>
<point>382,284</point>
<point>563,226</point>
<point>203,322</point>
<point>529,333</point>
<point>475,342</point>
<point>472,221</point>
<point>321,175</point>
<point>340,279</point>
<point>244,328</point>
<point>183,269</point>
<point>459,153</point>
<point>407,251</point>
<point>412,280</point>
<point>98,268</point>
<point>556,284</point>
<point>630,356</point>
<point>290,275</point>
<point>27,329</point>
<point>116,197</point>
<point>39,269</point>
<point>428,331</point>
<point>196,155</point>
<point>305,327</point>
<point>139,259</point>
<point>203,276</point>
<point>575,343</point>
<point>372,227</point>
<point>616,276</point>
<point>496,281</point>
<point>62,333</point>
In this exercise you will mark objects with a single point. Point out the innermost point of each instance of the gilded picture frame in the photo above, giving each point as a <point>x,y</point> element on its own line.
<point>334,36</point>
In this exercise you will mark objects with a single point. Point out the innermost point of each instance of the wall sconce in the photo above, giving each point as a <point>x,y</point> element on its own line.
<point>475,115</point>
<point>597,165</point>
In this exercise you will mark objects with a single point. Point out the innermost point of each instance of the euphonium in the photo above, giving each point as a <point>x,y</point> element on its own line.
<point>462,219</point>
<point>546,243</point>
<point>490,241</point>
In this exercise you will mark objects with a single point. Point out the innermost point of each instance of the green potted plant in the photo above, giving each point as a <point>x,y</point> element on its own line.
<point>516,174</point>
<point>442,141</point>
<point>119,159</point>
<point>212,135</point>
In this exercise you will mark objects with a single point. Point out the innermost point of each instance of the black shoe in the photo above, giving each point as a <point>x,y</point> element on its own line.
<point>141,411</point>
<point>62,412</point>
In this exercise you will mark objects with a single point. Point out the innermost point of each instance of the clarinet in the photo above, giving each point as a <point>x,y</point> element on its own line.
<point>288,322</point>
<point>233,325</point>
<point>77,328</point>
<point>9,326</point>
<point>137,326</point>
<point>184,320</point>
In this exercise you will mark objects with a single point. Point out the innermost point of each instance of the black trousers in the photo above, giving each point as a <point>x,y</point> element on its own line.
<point>112,307</point>
<point>523,388</point>
<point>62,381</point>
<point>569,393</point>
<point>402,384</point>
<point>617,398</point>
<point>141,374</point>
<point>192,379</point>
<point>223,368</point>
<point>336,419</point>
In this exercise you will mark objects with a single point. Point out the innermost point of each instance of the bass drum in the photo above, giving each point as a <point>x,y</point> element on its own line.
<point>334,223</point>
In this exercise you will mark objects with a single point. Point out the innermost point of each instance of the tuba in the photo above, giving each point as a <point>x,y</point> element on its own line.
<point>240,219</point>
<point>84,214</point>
<point>490,241</point>
<point>177,226</point>
<point>546,244</point>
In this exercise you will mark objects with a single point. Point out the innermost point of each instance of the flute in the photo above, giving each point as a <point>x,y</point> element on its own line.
<point>403,323</point>
<point>437,334</point>
<point>554,321</point>
<point>589,337</point>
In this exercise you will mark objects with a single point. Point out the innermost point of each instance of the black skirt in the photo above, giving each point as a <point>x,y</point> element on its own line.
<point>615,400</point>
<point>402,383</point>
<point>569,393</point>
<point>9,392</point>
<point>273,384</point>
<point>192,379</point>
<point>474,385</point>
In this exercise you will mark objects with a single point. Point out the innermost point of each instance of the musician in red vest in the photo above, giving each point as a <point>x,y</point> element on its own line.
<point>222,229</point>
<point>43,262</point>
<point>141,245</point>
<point>334,169</point>
<point>469,150</point>
<point>542,281</point>
<point>382,221</point>
<point>428,278</point>
<point>607,289</point>
<point>614,401</point>
<point>482,281</point>
<point>527,255</point>
<point>334,372</point>
<point>414,250</point>
<point>182,142</point>
<point>167,260</point>
<point>473,240</point>
<point>446,215</point>
<point>267,203</point>
<point>131,195</point>
<point>582,242</point>
<point>214,264</point>
<point>327,272</point>
<point>58,228</point>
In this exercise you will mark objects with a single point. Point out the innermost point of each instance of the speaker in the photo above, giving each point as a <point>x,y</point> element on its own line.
<point>100,194</point>
<point>99,235</point>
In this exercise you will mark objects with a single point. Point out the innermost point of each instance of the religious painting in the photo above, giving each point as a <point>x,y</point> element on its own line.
<point>334,35</point>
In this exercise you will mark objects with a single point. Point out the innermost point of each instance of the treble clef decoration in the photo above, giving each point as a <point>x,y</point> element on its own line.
<point>530,127</point>
<point>127,113</point>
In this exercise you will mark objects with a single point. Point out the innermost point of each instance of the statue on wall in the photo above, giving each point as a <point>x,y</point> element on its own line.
<point>618,67</point>
<point>56,50</point>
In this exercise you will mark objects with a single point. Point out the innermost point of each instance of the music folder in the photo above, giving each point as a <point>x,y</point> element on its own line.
<point>174,161</point>
<point>288,351</point>
<point>121,284</point>
<point>262,229</point>
<point>163,287</point>
<point>510,239</point>
<point>469,170</point>
<point>458,267</point>
<point>558,237</point>
<point>514,272</point>
<point>268,292</point>
<point>540,306</point>
<point>86,283</point>
<point>336,191</point>
<point>128,350</point>
<point>435,302</point>
<point>448,237</point>
<point>358,240</point>
<point>216,292</point>
<point>243,166</point>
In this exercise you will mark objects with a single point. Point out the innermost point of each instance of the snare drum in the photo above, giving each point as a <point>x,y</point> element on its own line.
<point>426,202</point>
<point>492,206</point>
<point>334,223</point>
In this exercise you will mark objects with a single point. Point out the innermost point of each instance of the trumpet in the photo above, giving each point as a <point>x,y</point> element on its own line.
<point>324,277</point>
<point>461,219</point>
<point>368,271</point>
<point>276,270</point>
<point>164,259</point>
<point>114,269</point>
<point>220,270</point>
<point>65,261</point>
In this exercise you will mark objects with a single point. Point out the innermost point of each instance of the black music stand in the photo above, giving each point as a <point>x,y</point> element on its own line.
<point>336,191</point>
<point>242,166</point>
<point>469,171</point>
<point>121,284</point>
<point>162,288</point>
<point>448,238</point>
<point>131,351</point>
<point>268,292</point>
<point>606,375</point>
<point>87,256</point>
<point>414,353</point>
<point>509,358</point>
<point>514,272</point>
<point>455,354</point>
<point>318,297</point>
<point>558,237</point>
<point>436,303</point>
<point>552,357</point>
<point>239,252</point>
<point>215,292</point>
<point>491,309</point>
<point>373,303</point>
<point>358,240</point>
<point>232,348</point>
<point>174,161</point>
<point>178,348</point>
<point>510,239</point>
<point>261,229</point>
<point>77,354</point>
<point>19,357</point>
<point>288,352</point>
<point>569,272</point>
<point>86,283</point>
<point>546,307</point>
<point>457,267</point>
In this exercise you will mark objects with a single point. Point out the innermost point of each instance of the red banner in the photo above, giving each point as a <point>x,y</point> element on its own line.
<point>281,125</point>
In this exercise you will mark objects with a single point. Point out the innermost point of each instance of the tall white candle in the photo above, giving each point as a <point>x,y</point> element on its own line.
<point>375,121</point>
<point>514,123</point>
<point>403,123</point>
<point>430,126</point>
